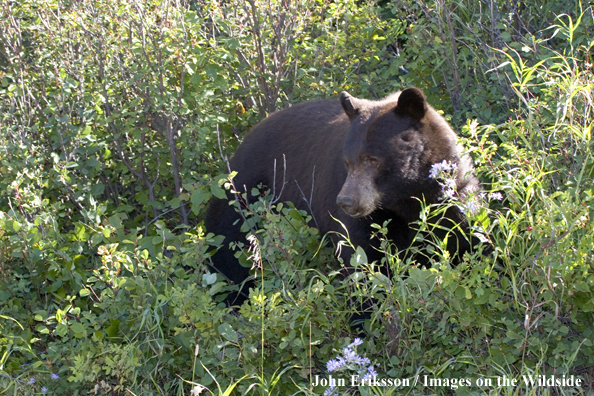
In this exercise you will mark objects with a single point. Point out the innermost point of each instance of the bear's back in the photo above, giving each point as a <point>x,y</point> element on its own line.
<point>296,129</point>
<point>294,151</point>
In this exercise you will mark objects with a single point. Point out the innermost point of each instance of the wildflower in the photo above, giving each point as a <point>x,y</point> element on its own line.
<point>350,361</point>
<point>497,196</point>
<point>329,390</point>
<point>362,361</point>
<point>197,390</point>
<point>349,355</point>
<point>438,169</point>
<point>333,365</point>
<point>31,381</point>
<point>444,173</point>
<point>448,193</point>
<point>370,374</point>
<point>472,206</point>
<point>366,378</point>
<point>54,376</point>
<point>43,390</point>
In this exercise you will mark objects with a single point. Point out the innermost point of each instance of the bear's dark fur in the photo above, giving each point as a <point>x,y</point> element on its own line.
<point>356,160</point>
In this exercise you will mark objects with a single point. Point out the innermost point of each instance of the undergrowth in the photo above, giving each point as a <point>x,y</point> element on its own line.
<point>115,121</point>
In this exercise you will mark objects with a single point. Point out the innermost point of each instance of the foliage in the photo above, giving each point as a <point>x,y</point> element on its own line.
<point>455,48</point>
<point>115,121</point>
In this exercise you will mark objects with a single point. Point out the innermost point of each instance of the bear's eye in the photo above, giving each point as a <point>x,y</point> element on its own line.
<point>406,137</point>
<point>373,161</point>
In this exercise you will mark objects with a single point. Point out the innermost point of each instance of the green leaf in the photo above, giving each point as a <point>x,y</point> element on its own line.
<point>98,335</point>
<point>483,298</point>
<point>174,203</point>
<point>198,197</point>
<point>227,332</point>
<point>97,189</point>
<point>61,330</point>
<point>42,329</point>
<point>209,279</point>
<point>468,294</point>
<point>294,213</point>
<point>77,328</point>
<point>115,221</point>
<point>96,239</point>
<point>217,191</point>
<point>359,258</point>
<point>211,71</point>
<point>113,328</point>
<point>80,232</point>
<point>59,315</point>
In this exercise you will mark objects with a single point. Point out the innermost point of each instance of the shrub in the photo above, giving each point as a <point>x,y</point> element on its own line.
<point>116,118</point>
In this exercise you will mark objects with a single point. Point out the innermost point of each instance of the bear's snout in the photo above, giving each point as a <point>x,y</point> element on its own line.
<point>346,203</point>
<point>354,201</point>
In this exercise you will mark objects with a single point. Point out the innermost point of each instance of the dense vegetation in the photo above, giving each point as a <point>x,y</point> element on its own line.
<point>115,121</point>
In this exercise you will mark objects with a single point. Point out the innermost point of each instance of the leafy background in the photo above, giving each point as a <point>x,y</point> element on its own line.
<point>115,121</point>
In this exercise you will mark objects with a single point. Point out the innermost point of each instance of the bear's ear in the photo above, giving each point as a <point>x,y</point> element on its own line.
<point>412,103</point>
<point>349,104</point>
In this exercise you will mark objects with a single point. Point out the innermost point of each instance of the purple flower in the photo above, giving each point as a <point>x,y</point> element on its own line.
<point>31,381</point>
<point>363,361</point>
<point>448,193</point>
<point>349,355</point>
<point>497,196</point>
<point>333,365</point>
<point>438,169</point>
<point>444,173</point>
<point>54,376</point>
<point>350,361</point>
<point>43,390</point>
<point>473,206</point>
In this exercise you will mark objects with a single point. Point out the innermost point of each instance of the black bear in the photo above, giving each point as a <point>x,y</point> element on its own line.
<point>357,160</point>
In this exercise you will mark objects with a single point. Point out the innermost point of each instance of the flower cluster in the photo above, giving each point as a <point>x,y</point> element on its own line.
<point>444,173</point>
<point>497,196</point>
<point>350,360</point>
<point>32,381</point>
<point>475,202</point>
<point>440,168</point>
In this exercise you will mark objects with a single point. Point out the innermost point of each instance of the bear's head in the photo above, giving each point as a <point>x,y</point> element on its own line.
<point>389,151</point>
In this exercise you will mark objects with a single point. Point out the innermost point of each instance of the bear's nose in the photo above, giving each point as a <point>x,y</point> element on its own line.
<point>346,203</point>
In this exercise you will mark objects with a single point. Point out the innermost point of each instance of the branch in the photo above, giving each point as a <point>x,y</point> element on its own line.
<point>141,175</point>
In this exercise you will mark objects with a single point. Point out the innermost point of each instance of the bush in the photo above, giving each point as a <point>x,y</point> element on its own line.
<point>117,117</point>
